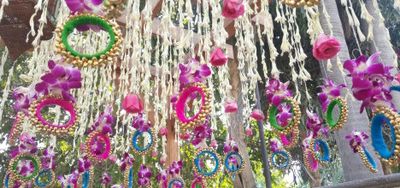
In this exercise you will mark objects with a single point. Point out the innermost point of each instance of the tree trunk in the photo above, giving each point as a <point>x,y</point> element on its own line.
<point>353,167</point>
<point>246,178</point>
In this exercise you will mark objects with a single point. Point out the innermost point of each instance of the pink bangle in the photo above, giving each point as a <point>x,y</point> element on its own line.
<point>90,142</point>
<point>44,125</point>
<point>292,141</point>
<point>204,108</point>
<point>309,161</point>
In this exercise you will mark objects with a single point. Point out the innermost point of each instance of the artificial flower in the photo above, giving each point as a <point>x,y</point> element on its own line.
<point>84,164</point>
<point>284,115</point>
<point>218,58</point>
<point>163,131</point>
<point>103,123</point>
<point>230,146</point>
<point>257,115</point>
<point>144,175</point>
<point>106,179</point>
<point>132,103</point>
<point>357,139</point>
<point>276,91</point>
<point>249,131</point>
<point>314,124</point>
<point>231,106</point>
<point>23,98</point>
<point>325,47</point>
<point>175,168</point>
<point>200,133</point>
<point>140,123</point>
<point>329,92</point>
<point>193,71</point>
<point>127,161</point>
<point>232,9</point>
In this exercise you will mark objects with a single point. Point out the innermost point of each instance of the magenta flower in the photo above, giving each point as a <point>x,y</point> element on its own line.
<point>144,176</point>
<point>284,115</point>
<point>275,145</point>
<point>70,179</point>
<point>162,178</point>
<point>59,81</point>
<point>232,9</point>
<point>140,123</point>
<point>193,72</point>
<point>200,133</point>
<point>230,146</point>
<point>48,158</point>
<point>103,123</point>
<point>314,124</point>
<point>276,91</point>
<point>80,6</point>
<point>175,168</point>
<point>27,144</point>
<point>127,161</point>
<point>357,139</point>
<point>25,167</point>
<point>106,179</point>
<point>83,164</point>
<point>23,98</point>
<point>371,81</point>
<point>329,92</point>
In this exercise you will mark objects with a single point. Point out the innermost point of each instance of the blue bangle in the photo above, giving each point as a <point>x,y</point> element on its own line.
<point>378,141</point>
<point>325,157</point>
<point>129,178</point>
<point>201,171</point>
<point>6,180</point>
<point>86,181</point>
<point>286,157</point>
<point>142,150</point>
<point>234,169</point>
<point>367,159</point>
<point>175,180</point>
<point>49,176</point>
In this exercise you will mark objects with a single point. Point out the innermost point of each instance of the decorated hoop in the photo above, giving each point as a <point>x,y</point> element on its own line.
<point>49,177</point>
<point>392,119</point>
<point>300,3</point>
<point>322,144</point>
<point>290,142</point>
<point>173,181</point>
<point>16,128</point>
<point>309,161</point>
<point>90,141</point>
<point>295,122</point>
<point>198,163</point>
<point>85,179</point>
<point>234,169</point>
<point>80,59</point>
<point>343,113</point>
<point>43,125</point>
<point>197,182</point>
<point>281,153</point>
<point>135,139</point>
<point>128,177</point>
<point>205,107</point>
<point>15,175</point>
<point>367,159</point>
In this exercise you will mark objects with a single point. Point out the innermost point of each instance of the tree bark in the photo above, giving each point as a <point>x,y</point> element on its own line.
<point>353,167</point>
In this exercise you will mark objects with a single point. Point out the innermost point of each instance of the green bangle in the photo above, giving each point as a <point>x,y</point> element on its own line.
<point>343,114</point>
<point>80,59</point>
<point>14,162</point>
<point>295,110</point>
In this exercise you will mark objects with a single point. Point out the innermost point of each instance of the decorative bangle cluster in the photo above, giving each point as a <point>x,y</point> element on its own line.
<point>322,145</point>
<point>114,8</point>
<point>80,59</point>
<point>294,123</point>
<point>292,141</point>
<point>280,164</point>
<point>199,163</point>
<point>91,141</point>
<point>234,163</point>
<point>146,147</point>
<point>300,3</point>
<point>43,125</point>
<point>367,159</point>
<point>204,110</point>
<point>15,175</point>
<point>128,177</point>
<point>343,113</point>
<point>392,119</point>
<point>174,181</point>
<point>45,178</point>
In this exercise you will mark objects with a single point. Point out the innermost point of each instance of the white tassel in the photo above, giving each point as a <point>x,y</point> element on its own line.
<point>397,4</point>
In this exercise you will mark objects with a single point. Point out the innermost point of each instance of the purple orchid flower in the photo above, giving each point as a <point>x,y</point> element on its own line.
<point>104,122</point>
<point>144,175</point>
<point>27,144</point>
<point>230,145</point>
<point>48,158</point>
<point>106,179</point>
<point>314,124</point>
<point>193,71</point>
<point>23,98</point>
<point>69,180</point>
<point>162,178</point>
<point>175,168</point>
<point>275,145</point>
<point>329,92</point>
<point>371,81</point>
<point>140,123</point>
<point>127,161</point>
<point>59,81</point>
<point>357,139</point>
<point>284,115</point>
<point>83,164</point>
<point>25,167</point>
<point>80,6</point>
<point>275,91</point>
<point>201,132</point>
<point>98,146</point>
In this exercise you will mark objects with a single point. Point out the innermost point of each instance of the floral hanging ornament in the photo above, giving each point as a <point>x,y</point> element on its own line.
<point>144,175</point>
<point>232,9</point>
<point>357,141</point>
<point>103,123</point>
<point>325,47</point>
<point>192,72</point>
<point>218,57</point>
<point>132,103</point>
<point>23,97</point>
<point>315,125</point>
<point>257,115</point>
<point>231,106</point>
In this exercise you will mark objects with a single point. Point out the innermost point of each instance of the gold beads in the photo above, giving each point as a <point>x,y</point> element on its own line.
<point>300,3</point>
<point>365,161</point>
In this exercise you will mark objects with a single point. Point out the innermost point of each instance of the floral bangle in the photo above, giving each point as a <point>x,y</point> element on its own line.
<point>80,59</point>
<point>309,161</point>
<point>135,141</point>
<point>280,164</point>
<point>86,178</point>
<point>295,122</point>
<point>128,177</point>
<point>234,169</point>
<point>48,176</point>
<point>343,113</point>
<point>292,141</point>
<point>16,175</point>
<point>323,145</point>
<point>204,110</point>
<point>199,164</point>
<point>16,128</point>
<point>392,119</point>
<point>367,159</point>
<point>173,181</point>
<point>42,124</point>
<point>90,141</point>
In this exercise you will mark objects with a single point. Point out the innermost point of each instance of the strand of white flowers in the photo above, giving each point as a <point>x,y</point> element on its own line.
<point>3,4</point>
<point>3,61</point>
<point>263,61</point>
<point>6,90</point>
<point>368,18</point>
<point>37,8</point>
<point>353,22</point>
<point>396,4</point>
<point>269,32</point>
<point>42,23</point>
<point>313,23</point>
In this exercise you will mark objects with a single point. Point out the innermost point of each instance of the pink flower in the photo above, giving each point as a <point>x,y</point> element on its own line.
<point>184,136</point>
<point>249,131</point>
<point>232,9</point>
<point>163,131</point>
<point>284,115</point>
<point>218,58</point>
<point>163,159</point>
<point>325,47</point>
<point>257,115</point>
<point>154,154</point>
<point>276,91</point>
<point>132,104</point>
<point>214,144</point>
<point>230,107</point>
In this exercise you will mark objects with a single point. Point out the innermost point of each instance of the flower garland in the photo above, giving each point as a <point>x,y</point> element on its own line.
<point>279,153</point>
<point>357,141</point>
<point>98,146</point>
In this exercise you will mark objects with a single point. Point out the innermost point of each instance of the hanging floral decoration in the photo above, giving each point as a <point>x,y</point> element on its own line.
<point>144,175</point>
<point>357,141</point>
<point>201,164</point>
<point>325,47</point>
